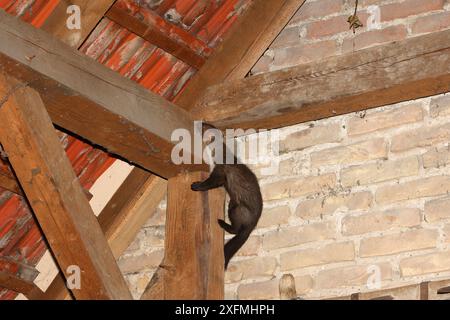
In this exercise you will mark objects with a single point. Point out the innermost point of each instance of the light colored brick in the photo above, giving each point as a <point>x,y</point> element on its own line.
<point>250,268</point>
<point>436,158</point>
<point>319,207</point>
<point>420,137</point>
<point>154,237</point>
<point>250,247</point>
<point>447,233</point>
<point>431,23</point>
<point>303,284</point>
<point>345,277</point>
<point>409,8</point>
<point>304,53</point>
<point>287,38</point>
<point>311,137</point>
<point>379,172</point>
<point>298,187</point>
<point>436,210</point>
<point>384,119</point>
<point>313,185</point>
<point>330,27</point>
<point>381,221</point>
<point>375,37</point>
<point>139,263</point>
<point>357,152</point>
<point>259,290</point>
<point>158,219</point>
<point>293,236</point>
<point>274,217</point>
<point>430,263</point>
<point>331,253</point>
<point>440,106</point>
<point>400,242</point>
<point>317,10</point>
<point>426,187</point>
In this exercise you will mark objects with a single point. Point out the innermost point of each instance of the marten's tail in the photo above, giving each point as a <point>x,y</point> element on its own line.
<point>235,243</point>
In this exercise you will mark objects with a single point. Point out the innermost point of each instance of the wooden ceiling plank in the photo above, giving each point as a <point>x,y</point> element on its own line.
<point>19,285</point>
<point>98,104</point>
<point>91,12</point>
<point>399,71</point>
<point>55,194</point>
<point>193,265</point>
<point>160,37</point>
<point>130,207</point>
<point>248,39</point>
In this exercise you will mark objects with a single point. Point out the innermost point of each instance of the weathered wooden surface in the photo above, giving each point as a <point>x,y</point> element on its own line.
<point>193,265</point>
<point>410,69</point>
<point>55,194</point>
<point>88,99</point>
<point>90,13</point>
<point>246,43</point>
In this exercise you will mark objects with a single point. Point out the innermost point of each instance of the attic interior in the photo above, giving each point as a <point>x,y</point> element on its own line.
<point>92,91</point>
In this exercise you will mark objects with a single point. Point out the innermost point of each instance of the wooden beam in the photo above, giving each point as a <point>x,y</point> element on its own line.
<point>391,73</point>
<point>10,183</point>
<point>162,34</point>
<point>90,14</point>
<point>86,98</point>
<point>239,51</point>
<point>55,194</point>
<point>122,218</point>
<point>19,285</point>
<point>193,265</point>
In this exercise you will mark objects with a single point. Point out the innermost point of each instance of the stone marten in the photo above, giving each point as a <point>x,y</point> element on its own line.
<point>245,206</point>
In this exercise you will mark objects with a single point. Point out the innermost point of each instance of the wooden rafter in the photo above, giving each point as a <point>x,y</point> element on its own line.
<point>246,43</point>
<point>381,75</point>
<point>55,194</point>
<point>86,98</point>
<point>122,218</point>
<point>90,14</point>
<point>229,63</point>
<point>19,285</point>
<point>162,34</point>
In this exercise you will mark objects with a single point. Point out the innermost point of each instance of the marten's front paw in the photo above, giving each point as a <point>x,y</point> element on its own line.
<point>196,186</point>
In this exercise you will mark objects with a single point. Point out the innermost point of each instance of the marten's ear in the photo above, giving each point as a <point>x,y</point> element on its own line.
<point>207,126</point>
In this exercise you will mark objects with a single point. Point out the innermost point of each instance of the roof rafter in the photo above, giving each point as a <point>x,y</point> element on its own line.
<point>381,75</point>
<point>115,113</point>
<point>249,38</point>
<point>54,193</point>
<point>90,14</point>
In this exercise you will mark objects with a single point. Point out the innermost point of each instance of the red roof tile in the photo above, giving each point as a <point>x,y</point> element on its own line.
<point>202,24</point>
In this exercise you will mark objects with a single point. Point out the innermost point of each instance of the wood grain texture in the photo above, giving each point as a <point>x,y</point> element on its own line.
<point>91,13</point>
<point>55,194</point>
<point>158,37</point>
<point>130,207</point>
<point>10,183</point>
<point>19,285</point>
<point>86,98</point>
<point>247,41</point>
<point>381,75</point>
<point>193,265</point>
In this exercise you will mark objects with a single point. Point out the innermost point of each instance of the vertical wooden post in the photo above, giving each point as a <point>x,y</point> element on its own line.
<point>193,265</point>
<point>55,194</point>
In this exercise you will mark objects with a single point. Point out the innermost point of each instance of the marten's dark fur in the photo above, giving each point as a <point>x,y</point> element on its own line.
<point>245,206</point>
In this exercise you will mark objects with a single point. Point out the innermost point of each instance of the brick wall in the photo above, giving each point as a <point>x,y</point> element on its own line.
<point>355,195</point>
